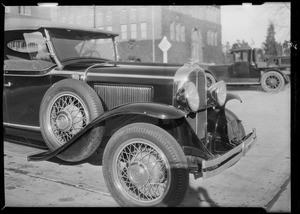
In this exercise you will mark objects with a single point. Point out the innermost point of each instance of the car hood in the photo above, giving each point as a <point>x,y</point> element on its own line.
<point>125,68</point>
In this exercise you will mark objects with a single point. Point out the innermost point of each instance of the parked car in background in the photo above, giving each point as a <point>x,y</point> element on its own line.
<point>249,69</point>
<point>64,90</point>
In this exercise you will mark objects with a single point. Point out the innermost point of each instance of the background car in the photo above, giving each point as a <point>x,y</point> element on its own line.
<point>248,69</point>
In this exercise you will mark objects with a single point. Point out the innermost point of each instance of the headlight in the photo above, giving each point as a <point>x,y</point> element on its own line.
<point>188,97</point>
<point>218,92</point>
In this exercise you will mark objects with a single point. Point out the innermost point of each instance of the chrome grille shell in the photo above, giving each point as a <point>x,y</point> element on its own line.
<point>193,73</point>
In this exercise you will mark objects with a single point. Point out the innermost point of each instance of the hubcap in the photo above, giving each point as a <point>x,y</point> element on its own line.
<point>138,173</point>
<point>64,121</point>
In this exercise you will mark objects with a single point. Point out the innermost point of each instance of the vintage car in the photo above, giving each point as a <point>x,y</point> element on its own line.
<point>65,90</point>
<point>249,69</point>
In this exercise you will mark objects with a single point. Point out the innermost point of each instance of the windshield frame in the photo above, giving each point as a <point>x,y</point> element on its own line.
<point>93,35</point>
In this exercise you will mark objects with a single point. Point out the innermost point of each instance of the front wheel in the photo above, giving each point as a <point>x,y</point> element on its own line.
<point>143,165</point>
<point>272,81</point>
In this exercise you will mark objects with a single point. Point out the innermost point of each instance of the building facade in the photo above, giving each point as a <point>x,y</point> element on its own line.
<point>193,31</point>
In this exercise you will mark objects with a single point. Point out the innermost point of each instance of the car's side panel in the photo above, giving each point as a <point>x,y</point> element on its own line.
<point>24,95</point>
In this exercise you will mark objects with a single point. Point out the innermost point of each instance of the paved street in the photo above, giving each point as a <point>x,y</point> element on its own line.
<point>260,179</point>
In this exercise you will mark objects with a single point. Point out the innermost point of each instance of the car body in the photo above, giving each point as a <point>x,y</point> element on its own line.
<point>248,68</point>
<point>65,90</point>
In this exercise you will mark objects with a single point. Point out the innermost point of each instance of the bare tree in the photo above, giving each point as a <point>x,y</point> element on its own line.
<point>281,17</point>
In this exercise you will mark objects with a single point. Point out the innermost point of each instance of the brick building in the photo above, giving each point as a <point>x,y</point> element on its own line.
<point>193,31</point>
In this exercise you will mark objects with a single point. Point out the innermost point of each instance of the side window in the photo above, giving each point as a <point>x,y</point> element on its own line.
<point>245,56</point>
<point>28,53</point>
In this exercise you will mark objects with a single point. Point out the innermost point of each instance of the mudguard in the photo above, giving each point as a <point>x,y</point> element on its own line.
<point>231,96</point>
<point>160,111</point>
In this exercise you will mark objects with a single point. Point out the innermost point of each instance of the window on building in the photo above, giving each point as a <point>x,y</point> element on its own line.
<point>109,28</point>
<point>100,28</point>
<point>7,9</point>
<point>133,15</point>
<point>195,45</point>
<point>133,31</point>
<point>123,16</point>
<point>143,30</point>
<point>216,38</point>
<point>25,10</point>
<point>209,37</point>
<point>178,28</point>
<point>182,33</point>
<point>142,14</point>
<point>99,19</point>
<point>172,31</point>
<point>124,32</point>
<point>108,18</point>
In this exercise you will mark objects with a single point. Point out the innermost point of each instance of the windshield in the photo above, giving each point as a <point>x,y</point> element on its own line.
<point>73,45</point>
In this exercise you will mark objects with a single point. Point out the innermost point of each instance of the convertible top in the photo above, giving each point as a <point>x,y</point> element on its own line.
<point>28,23</point>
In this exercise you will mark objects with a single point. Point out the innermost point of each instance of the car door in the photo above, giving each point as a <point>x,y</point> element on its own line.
<point>25,81</point>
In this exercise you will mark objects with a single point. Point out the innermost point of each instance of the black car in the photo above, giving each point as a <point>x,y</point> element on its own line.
<point>65,90</point>
<point>249,68</point>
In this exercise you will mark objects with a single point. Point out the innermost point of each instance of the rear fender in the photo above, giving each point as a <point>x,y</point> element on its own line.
<point>154,110</point>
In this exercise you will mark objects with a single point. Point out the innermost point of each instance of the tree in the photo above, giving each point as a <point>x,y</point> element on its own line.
<point>270,44</point>
<point>240,45</point>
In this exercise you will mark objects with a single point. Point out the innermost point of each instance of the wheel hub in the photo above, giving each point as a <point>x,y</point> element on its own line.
<point>138,173</point>
<point>64,121</point>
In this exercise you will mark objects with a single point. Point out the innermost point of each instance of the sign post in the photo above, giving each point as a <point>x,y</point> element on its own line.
<point>165,45</point>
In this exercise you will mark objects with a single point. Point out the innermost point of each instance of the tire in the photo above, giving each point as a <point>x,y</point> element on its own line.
<point>139,147</point>
<point>231,116</point>
<point>210,80</point>
<point>67,107</point>
<point>272,81</point>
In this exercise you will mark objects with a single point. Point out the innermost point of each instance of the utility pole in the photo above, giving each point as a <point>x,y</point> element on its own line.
<point>153,41</point>
<point>94,16</point>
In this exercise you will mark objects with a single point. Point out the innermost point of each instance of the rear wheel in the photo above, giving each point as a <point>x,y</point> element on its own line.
<point>272,81</point>
<point>143,165</point>
<point>67,107</point>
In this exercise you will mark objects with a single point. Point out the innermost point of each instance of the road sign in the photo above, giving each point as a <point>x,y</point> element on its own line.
<point>164,45</point>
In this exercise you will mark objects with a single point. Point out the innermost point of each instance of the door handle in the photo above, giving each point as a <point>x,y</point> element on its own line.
<point>9,84</point>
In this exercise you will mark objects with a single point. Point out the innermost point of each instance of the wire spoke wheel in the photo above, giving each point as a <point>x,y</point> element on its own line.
<point>143,165</point>
<point>68,116</point>
<point>142,171</point>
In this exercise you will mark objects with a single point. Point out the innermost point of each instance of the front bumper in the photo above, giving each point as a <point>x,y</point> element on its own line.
<point>214,166</point>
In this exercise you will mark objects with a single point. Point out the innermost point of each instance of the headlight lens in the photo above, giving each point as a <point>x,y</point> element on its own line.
<point>189,97</point>
<point>218,92</point>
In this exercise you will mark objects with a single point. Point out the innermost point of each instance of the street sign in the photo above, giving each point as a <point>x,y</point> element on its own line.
<point>165,45</point>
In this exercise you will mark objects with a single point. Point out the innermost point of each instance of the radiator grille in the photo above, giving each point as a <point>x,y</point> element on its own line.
<point>198,121</point>
<point>116,95</point>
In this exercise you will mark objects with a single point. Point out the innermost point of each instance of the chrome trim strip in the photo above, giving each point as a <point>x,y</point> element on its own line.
<point>131,76</point>
<point>238,151</point>
<point>17,126</point>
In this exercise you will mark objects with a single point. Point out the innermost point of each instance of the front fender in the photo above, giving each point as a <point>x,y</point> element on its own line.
<point>231,96</point>
<point>159,111</point>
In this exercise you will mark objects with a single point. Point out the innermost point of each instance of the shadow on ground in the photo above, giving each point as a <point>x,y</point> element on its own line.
<point>198,198</point>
